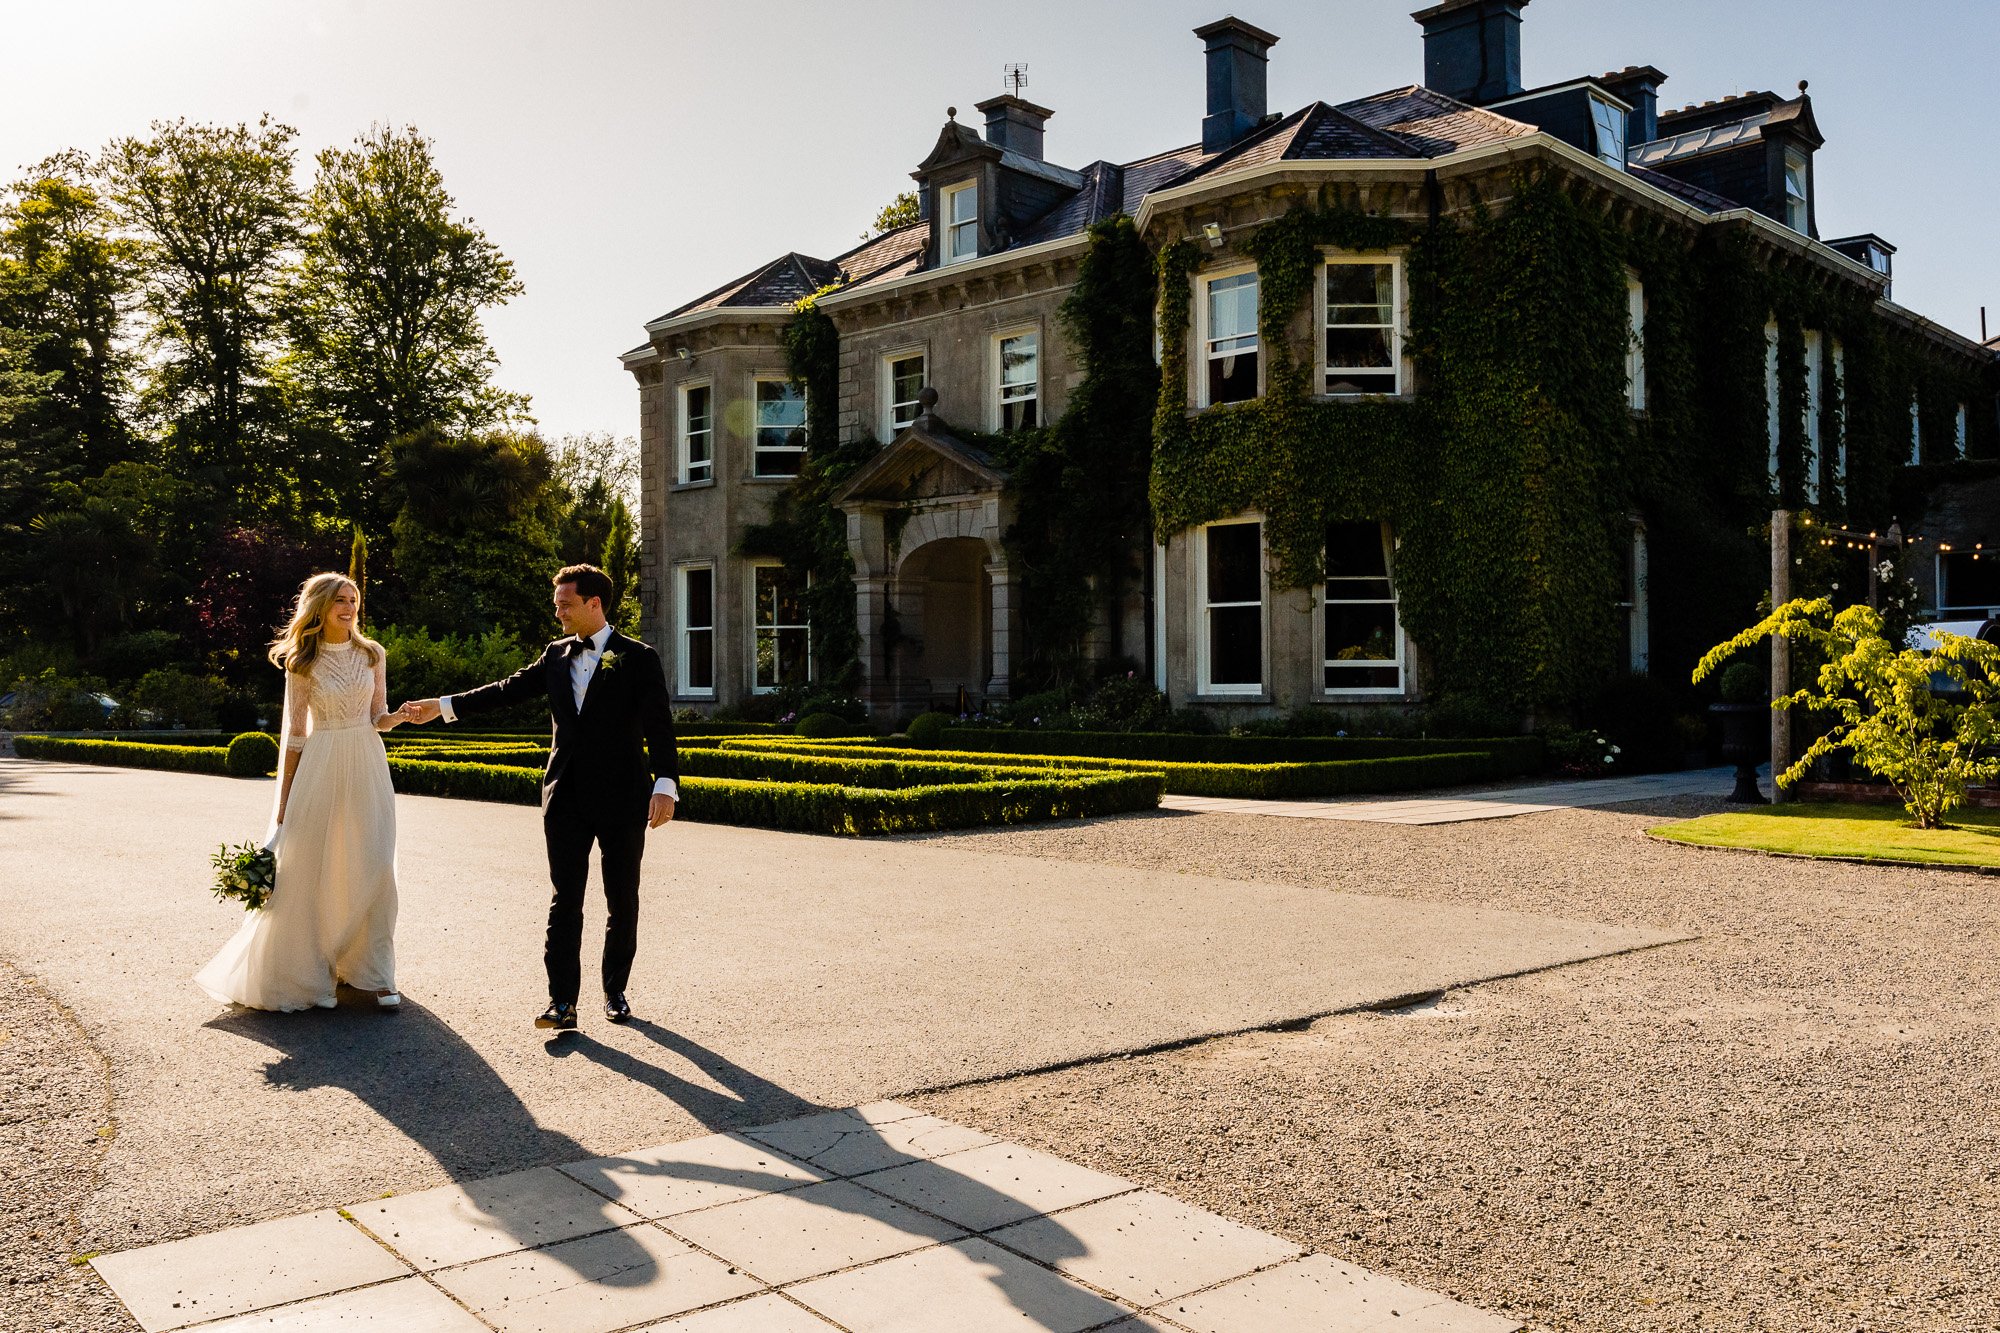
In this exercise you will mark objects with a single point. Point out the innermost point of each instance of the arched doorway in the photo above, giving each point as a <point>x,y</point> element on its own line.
<point>944,601</point>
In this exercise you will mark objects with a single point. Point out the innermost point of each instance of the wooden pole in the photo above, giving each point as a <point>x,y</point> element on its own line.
<point>1781,650</point>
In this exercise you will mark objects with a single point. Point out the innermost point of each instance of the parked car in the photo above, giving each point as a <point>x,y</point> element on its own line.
<point>1924,638</point>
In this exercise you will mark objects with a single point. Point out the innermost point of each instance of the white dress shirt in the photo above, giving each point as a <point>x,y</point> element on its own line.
<point>582,666</point>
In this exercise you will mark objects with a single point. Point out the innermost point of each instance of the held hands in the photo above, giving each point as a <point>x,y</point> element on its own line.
<point>420,711</point>
<point>660,811</point>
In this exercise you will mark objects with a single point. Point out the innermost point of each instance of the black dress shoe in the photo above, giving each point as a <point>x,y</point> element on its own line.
<point>561,1017</point>
<point>616,1009</point>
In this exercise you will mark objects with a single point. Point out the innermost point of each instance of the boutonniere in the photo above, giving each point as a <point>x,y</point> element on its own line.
<point>609,660</point>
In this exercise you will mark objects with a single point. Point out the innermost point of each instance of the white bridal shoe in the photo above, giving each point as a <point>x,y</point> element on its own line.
<point>392,1000</point>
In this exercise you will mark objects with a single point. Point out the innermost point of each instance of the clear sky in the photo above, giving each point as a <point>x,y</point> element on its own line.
<point>628,156</point>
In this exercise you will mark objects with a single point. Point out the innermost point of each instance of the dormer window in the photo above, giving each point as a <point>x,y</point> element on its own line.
<point>961,222</point>
<point>1608,129</point>
<point>1797,214</point>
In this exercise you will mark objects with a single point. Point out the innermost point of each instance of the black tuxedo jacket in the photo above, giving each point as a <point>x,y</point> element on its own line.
<point>613,750</point>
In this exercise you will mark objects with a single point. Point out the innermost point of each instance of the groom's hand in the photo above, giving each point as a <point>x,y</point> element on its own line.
<point>422,710</point>
<point>660,811</point>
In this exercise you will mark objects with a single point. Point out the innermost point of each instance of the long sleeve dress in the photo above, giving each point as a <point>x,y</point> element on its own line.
<point>332,913</point>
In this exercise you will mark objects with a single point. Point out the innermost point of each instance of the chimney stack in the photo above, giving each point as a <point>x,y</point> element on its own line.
<point>1472,49</point>
<point>1015,124</point>
<point>1639,86</point>
<point>1237,55</point>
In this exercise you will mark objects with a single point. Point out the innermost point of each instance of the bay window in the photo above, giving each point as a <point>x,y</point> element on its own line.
<point>781,427</point>
<point>1361,302</point>
<point>1364,638</point>
<point>1231,579</point>
<point>1229,339</point>
<point>782,650</point>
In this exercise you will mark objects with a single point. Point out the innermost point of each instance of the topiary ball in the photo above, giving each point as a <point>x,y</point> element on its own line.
<point>820,726</point>
<point>927,728</point>
<point>254,754</point>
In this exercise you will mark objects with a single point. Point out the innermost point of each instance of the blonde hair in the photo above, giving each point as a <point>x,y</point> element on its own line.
<point>297,646</point>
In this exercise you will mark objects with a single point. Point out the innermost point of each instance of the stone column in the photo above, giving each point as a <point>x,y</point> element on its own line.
<point>866,543</point>
<point>1003,627</point>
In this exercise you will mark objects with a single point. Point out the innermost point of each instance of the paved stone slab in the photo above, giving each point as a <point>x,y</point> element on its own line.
<point>1145,1247</point>
<point>410,1305</point>
<point>806,1232</point>
<point>989,1187</point>
<point>846,1145</point>
<point>759,1314</point>
<point>679,1177</point>
<point>595,1284</point>
<point>456,1224</point>
<point>1318,1293</point>
<point>244,1268</point>
<point>967,1287</point>
<point>1460,807</point>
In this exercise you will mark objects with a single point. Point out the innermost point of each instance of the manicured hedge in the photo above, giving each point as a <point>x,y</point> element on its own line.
<point>809,766</point>
<point>1343,777</point>
<point>826,808</point>
<point>1015,796</point>
<point>1512,754</point>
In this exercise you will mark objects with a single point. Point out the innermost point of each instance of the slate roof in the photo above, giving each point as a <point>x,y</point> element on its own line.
<point>1403,124</point>
<point>1706,200</point>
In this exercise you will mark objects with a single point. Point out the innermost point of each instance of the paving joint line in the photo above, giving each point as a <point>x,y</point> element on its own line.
<point>1294,1023</point>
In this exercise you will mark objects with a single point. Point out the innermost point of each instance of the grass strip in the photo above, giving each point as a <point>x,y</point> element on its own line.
<point>1850,832</point>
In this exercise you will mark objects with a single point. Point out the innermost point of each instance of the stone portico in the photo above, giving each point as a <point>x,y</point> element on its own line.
<point>933,592</point>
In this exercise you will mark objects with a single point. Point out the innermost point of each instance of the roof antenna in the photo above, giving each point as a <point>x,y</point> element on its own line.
<point>1015,77</point>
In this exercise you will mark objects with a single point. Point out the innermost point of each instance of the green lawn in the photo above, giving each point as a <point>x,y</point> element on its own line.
<point>1867,832</point>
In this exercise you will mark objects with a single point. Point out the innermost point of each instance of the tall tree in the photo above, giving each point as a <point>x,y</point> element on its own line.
<point>65,280</point>
<point>384,313</point>
<point>898,212</point>
<point>216,217</point>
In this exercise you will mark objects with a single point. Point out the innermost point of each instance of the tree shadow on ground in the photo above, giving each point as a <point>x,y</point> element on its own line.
<point>433,1087</point>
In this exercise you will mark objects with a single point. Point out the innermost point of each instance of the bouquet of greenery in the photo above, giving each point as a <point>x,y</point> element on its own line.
<point>246,873</point>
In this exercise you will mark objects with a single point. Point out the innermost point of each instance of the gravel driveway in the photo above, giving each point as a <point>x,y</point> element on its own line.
<point>1788,1123</point>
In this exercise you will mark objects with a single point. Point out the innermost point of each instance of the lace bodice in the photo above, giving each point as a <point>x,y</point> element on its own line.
<point>342,690</point>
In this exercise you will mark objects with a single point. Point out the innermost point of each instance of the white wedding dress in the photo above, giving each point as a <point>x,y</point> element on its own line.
<point>332,913</point>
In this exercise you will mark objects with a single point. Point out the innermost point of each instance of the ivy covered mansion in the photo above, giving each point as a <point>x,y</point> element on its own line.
<point>1460,390</point>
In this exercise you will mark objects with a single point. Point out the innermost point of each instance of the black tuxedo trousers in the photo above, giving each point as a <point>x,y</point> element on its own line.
<point>570,825</point>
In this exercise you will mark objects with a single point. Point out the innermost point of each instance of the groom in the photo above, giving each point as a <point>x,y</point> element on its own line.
<point>611,776</point>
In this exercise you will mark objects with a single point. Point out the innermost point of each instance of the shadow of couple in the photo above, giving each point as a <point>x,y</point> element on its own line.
<point>431,1085</point>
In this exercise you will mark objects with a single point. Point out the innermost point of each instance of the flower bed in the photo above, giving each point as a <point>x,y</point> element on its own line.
<point>1248,781</point>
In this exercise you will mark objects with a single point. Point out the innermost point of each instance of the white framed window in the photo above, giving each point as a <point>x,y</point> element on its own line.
<point>1815,396</point>
<point>1798,212</point>
<point>1916,433</point>
<point>697,630</point>
<point>1634,607</point>
<point>1229,364</point>
<point>1017,380</point>
<point>781,426</point>
<point>1771,395</point>
<point>1230,579</point>
<point>1361,322</point>
<point>781,645</point>
<point>1838,356</point>
<point>961,222</point>
<point>1635,342</point>
<point>1958,432</point>
<point>1608,125</point>
<point>1364,635</point>
<point>902,380</point>
<point>697,432</point>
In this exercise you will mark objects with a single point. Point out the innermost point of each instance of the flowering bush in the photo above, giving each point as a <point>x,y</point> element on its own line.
<point>1926,722</point>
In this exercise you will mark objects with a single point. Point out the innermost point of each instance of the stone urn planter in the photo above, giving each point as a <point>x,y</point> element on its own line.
<point>1745,743</point>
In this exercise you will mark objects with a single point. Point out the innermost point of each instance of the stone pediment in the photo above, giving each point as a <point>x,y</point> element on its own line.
<point>925,462</point>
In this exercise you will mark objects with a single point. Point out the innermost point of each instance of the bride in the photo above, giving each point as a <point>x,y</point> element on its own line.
<point>331,919</point>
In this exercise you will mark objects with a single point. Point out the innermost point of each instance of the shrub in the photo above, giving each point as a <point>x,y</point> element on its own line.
<point>1191,722</point>
<point>816,725</point>
<point>171,697</point>
<point>1742,683</point>
<point>126,754</point>
<point>1512,754</point>
<point>422,667</point>
<point>927,729</point>
<point>1641,716</point>
<point>130,656</point>
<point>1459,715</point>
<point>56,702</point>
<point>1123,703</point>
<point>254,754</point>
